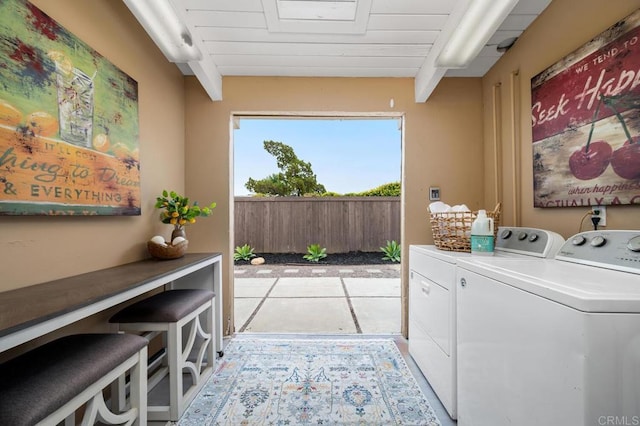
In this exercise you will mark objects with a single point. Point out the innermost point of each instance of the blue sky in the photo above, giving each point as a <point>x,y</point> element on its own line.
<point>346,155</point>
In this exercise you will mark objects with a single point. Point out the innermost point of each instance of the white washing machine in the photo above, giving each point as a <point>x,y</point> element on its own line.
<point>555,341</point>
<point>432,302</point>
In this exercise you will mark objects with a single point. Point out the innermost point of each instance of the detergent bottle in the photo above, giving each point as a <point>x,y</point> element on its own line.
<point>482,235</point>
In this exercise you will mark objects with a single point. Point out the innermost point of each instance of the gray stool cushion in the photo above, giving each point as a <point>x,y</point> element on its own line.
<point>168,306</point>
<point>37,383</point>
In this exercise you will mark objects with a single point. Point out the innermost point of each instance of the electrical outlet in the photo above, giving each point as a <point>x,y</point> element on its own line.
<point>601,212</point>
<point>434,193</point>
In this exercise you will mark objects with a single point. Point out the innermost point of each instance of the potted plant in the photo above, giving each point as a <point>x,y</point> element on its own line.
<point>177,211</point>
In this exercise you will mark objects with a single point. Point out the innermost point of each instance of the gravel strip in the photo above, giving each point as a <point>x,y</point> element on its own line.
<point>306,270</point>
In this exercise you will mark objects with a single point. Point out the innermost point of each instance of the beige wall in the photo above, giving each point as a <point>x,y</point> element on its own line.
<point>37,249</point>
<point>185,141</point>
<point>442,143</point>
<point>563,27</point>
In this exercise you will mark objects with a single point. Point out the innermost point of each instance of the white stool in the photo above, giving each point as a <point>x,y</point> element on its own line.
<point>47,385</point>
<point>169,313</point>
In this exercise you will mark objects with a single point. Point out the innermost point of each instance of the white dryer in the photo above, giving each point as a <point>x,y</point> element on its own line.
<point>432,302</point>
<point>552,342</point>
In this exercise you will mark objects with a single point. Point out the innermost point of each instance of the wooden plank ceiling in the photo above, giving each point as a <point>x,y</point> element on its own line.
<point>334,38</point>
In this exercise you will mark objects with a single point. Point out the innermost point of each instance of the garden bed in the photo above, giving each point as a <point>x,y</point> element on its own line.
<point>350,258</point>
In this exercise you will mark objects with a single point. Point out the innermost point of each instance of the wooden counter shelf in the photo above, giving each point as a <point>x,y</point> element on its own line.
<point>30,312</point>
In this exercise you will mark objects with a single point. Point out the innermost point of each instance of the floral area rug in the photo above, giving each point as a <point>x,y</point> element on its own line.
<point>311,382</point>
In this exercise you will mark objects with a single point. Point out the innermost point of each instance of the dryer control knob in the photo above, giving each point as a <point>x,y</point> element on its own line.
<point>505,234</point>
<point>522,236</point>
<point>533,237</point>
<point>578,241</point>
<point>598,241</point>
<point>634,244</point>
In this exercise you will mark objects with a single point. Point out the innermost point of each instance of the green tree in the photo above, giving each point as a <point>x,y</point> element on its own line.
<point>271,185</point>
<point>295,178</point>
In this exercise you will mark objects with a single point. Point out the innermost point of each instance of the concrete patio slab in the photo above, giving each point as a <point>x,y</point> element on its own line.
<point>252,287</point>
<point>386,287</point>
<point>303,315</point>
<point>302,301</point>
<point>377,314</point>
<point>242,310</point>
<point>308,287</point>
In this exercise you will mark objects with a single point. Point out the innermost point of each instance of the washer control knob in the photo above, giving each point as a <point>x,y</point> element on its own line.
<point>505,234</point>
<point>598,241</point>
<point>522,236</point>
<point>634,244</point>
<point>578,240</point>
<point>533,237</point>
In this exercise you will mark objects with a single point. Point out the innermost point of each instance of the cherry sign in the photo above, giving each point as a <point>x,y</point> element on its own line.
<point>585,122</point>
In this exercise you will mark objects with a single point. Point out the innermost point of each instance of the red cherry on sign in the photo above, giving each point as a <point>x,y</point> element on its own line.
<point>626,160</point>
<point>591,161</point>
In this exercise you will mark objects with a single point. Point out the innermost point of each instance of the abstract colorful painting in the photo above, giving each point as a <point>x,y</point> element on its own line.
<point>68,122</point>
<point>586,123</point>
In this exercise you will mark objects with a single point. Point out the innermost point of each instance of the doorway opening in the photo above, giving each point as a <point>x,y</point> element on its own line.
<point>319,173</point>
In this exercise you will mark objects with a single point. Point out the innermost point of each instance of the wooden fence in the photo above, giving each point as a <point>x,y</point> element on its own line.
<point>341,224</point>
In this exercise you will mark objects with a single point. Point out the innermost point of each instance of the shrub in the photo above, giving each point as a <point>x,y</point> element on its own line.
<point>391,251</point>
<point>392,189</point>
<point>244,252</point>
<point>315,253</point>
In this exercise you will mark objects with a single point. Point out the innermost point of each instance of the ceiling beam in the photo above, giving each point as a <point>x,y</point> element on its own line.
<point>204,69</point>
<point>429,74</point>
<point>207,74</point>
<point>426,80</point>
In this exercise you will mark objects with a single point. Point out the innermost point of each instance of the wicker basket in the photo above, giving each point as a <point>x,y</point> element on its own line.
<point>160,251</point>
<point>452,230</point>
